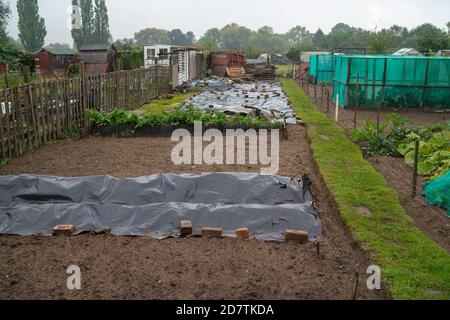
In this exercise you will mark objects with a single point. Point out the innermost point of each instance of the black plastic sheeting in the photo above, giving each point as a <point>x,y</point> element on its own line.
<point>155,205</point>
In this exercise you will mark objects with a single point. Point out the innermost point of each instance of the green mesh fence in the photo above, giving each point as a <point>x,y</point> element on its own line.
<point>321,68</point>
<point>405,82</point>
<point>437,192</point>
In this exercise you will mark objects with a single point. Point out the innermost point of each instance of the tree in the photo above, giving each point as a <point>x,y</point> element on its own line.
<point>94,26</point>
<point>211,40</point>
<point>101,32</point>
<point>319,40</point>
<point>32,30</point>
<point>430,38</point>
<point>87,19</point>
<point>151,36</point>
<point>297,35</point>
<point>191,37</point>
<point>265,40</point>
<point>235,37</point>
<point>401,36</point>
<point>125,43</point>
<point>381,42</point>
<point>5,13</point>
<point>177,37</point>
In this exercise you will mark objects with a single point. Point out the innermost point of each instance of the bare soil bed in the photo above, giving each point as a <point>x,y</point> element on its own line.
<point>197,268</point>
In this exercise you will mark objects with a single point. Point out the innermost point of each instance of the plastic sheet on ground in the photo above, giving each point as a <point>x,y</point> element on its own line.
<point>224,94</point>
<point>155,205</point>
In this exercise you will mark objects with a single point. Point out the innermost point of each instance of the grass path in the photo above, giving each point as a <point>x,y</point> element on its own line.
<point>414,266</point>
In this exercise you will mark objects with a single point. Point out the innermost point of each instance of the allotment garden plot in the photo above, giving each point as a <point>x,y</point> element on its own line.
<point>141,267</point>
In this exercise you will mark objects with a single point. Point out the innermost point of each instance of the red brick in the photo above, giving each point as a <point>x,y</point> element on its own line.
<point>243,233</point>
<point>186,228</point>
<point>64,230</point>
<point>297,235</point>
<point>212,232</point>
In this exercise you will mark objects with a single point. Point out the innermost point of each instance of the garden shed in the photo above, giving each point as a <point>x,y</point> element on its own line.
<point>392,81</point>
<point>98,58</point>
<point>54,61</point>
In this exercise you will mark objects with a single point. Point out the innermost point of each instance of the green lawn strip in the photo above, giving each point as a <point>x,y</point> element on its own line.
<point>414,266</point>
<point>156,106</point>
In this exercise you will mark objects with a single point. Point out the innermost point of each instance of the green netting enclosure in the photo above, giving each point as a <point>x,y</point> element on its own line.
<point>392,82</point>
<point>437,192</point>
<point>322,68</point>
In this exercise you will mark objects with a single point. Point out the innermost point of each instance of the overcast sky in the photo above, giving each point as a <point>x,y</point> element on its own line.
<point>128,16</point>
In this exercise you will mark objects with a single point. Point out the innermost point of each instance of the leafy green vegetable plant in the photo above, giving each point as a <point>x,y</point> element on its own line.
<point>434,153</point>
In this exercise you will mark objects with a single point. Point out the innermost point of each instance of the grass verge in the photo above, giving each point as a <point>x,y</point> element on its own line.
<point>159,105</point>
<point>413,265</point>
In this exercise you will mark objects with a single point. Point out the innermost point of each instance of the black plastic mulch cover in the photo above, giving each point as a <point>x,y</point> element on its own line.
<point>155,205</point>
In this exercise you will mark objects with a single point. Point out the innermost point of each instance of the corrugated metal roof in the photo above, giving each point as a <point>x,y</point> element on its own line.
<point>407,52</point>
<point>95,47</point>
<point>60,51</point>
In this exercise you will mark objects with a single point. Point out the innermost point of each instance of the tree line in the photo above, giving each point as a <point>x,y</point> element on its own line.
<point>93,27</point>
<point>93,22</point>
<point>426,38</point>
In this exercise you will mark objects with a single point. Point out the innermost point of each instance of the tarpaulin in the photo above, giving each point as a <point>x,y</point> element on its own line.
<point>262,95</point>
<point>155,205</point>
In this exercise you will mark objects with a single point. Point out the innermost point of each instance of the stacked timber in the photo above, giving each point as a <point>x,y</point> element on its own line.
<point>221,61</point>
<point>260,71</point>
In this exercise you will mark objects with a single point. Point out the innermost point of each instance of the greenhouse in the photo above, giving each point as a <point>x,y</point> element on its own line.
<point>392,82</point>
<point>322,68</point>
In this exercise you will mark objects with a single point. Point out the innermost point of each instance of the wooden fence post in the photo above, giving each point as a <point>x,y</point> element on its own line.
<point>357,102</point>
<point>84,93</point>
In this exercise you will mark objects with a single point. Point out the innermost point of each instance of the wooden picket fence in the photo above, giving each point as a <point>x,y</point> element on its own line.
<point>35,114</point>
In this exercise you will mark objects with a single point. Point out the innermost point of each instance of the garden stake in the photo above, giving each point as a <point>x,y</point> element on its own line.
<point>416,167</point>
<point>328,100</point>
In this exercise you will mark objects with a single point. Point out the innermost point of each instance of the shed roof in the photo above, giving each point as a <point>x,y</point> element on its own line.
<point>96,47</point>
<point>59,51</point>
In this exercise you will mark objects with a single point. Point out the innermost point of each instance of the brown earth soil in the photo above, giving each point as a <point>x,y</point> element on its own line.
<point>432,220</point>
<point>142,268</point>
